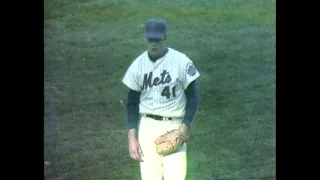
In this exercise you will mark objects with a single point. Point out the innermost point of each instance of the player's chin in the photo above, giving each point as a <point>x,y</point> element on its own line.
<point>153,53</point>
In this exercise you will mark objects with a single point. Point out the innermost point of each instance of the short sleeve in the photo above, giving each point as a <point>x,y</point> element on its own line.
<point>130,78</point>
<point>188,72</point>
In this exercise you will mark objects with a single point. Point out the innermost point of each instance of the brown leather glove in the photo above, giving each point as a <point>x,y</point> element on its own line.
<point>171,141</point>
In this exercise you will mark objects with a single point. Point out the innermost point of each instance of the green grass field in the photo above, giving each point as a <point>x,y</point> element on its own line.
<point>90,44</point>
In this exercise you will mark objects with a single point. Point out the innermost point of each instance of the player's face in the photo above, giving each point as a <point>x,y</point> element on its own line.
<point>156,47</point>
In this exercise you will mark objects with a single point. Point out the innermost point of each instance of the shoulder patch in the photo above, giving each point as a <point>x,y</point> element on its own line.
<point>191,69</point>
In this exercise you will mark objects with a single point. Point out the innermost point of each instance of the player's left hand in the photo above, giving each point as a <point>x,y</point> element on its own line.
<point>171,141</point>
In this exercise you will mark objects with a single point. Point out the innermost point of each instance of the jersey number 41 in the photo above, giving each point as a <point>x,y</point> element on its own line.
<point>166,92</point>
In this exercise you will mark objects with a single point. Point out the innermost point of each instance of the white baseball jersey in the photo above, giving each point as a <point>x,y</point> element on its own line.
<point>161,83</point>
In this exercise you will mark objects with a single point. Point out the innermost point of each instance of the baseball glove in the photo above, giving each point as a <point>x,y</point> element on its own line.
<point>171,141</point>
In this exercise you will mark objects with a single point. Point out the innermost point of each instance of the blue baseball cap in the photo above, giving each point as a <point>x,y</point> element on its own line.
<point>155,29</point>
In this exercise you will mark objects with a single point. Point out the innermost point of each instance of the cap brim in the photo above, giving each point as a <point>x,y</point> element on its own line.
<point>154,35</point>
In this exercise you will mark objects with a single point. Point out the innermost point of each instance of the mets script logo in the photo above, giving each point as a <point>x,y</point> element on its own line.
<point>148,82</point>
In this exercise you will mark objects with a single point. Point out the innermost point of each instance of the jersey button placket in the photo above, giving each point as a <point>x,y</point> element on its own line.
<point>154,92</point>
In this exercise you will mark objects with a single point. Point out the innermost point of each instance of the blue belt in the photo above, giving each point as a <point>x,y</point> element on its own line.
<point>159,118</point>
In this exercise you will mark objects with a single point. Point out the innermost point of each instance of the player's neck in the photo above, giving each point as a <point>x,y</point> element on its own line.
<point>155,58</point>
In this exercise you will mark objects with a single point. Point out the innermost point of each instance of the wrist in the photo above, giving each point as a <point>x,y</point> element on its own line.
<point>132,133</point>
<point>184,127</point>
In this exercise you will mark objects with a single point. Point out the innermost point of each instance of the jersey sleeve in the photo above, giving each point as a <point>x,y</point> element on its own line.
<point>188,72</point>
<point>130,78</point>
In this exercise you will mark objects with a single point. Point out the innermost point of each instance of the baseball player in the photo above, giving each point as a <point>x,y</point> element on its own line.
<point>163,96</point>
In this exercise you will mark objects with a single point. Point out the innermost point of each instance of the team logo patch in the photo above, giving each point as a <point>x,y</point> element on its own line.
<point>154,25</point>
<point>191,70</point>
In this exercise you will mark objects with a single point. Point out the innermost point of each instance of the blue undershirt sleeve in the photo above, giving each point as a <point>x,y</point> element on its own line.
<point>192,96</point>
<point>133,109</point>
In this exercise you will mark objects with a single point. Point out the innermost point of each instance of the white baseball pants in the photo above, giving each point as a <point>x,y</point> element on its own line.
<point>156,167</point>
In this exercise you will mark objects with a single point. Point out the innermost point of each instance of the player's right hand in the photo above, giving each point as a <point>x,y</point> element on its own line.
<point>135,149</point>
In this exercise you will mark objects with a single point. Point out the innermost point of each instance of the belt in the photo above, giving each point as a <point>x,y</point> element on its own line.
<point>159,118</point>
